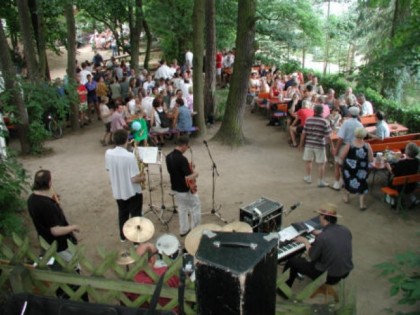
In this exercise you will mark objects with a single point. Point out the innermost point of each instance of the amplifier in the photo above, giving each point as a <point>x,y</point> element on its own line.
<point>236,273</point>
<point>264,215</point>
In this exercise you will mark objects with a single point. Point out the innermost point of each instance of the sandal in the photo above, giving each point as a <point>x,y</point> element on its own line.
<point>293,145</point>
<point>363,208</point>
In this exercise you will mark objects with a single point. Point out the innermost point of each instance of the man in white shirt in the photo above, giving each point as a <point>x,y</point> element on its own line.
<point>189,58</point>
<point>366,107</point>
<point>84,73</point>
<point>164,71</point>
<point>125,178</point>
<point>147,105</point>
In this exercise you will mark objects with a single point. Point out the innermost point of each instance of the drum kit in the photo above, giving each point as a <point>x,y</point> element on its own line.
<point>140,230</point>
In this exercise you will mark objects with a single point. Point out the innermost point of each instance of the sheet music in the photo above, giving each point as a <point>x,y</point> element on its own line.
<point>288,234</point>
<point>149,155</point>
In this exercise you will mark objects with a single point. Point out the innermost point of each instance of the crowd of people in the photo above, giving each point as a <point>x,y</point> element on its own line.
<point>161,101</point>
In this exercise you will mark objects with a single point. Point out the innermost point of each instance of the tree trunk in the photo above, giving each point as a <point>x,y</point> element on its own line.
<point>303,57</point>
<point>135,32</point>
<point>148,44</point>
<point>71,64</point>
<point>327,41</point>
<point>230,131</point>
<point>210,65</point>
<point>36,10</point>
<point>27,35</point>
<point>198,48</point>
<point>11,85</point>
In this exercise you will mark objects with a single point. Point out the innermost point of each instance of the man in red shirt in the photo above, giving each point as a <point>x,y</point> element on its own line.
<point>301,115</point>
<point>83,106</point>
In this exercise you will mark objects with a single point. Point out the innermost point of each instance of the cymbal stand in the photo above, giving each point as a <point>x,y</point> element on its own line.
<point>214,210</point>
<point>152,208</point>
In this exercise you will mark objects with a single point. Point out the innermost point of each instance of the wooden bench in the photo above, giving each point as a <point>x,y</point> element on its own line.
<point>393,146</point>
<point>410,136</point>
<point>399,195</point>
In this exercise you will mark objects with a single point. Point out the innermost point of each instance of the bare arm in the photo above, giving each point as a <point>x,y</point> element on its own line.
<point>345,151</point>
<point>63,230</point>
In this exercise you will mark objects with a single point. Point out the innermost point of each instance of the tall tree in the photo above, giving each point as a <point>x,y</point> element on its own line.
<point>13,88</point>
<point>136,22</point>
<point>198,48</point>
<point>71,63</point>
<point>210,61</point>
<point>27,39</point>
<point>37,14</point>
<point>230,131</point>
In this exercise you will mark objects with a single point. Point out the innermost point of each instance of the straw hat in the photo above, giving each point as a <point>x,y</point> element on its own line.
<point>328,209</point>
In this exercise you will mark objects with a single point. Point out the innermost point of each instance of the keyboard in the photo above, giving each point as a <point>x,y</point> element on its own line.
<point>291,248</point>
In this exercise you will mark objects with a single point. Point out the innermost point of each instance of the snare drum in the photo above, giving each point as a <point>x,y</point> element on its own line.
<point>169,245</point>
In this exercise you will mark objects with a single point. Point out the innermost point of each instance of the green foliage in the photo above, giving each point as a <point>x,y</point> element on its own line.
<point>37,136</point>
<point>171,22</point>
<point>286,25</point>
<point>40,99</point>
<point>336,82</point>
<point>13,182</point>
<point>403,274</point>
<point>226,13</point>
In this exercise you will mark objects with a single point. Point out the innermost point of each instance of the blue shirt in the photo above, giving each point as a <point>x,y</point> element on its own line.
<point>184,119</point>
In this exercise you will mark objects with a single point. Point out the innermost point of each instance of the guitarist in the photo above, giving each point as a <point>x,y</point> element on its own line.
<point>183,178</point>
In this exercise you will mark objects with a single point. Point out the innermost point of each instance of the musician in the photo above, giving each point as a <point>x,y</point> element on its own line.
<point>51,223</point>
<point>48,217</point>
<point>180,172</point>
<point>331,250</point>
<point>125,178</point>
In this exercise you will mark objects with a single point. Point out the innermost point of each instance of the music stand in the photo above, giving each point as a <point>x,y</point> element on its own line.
<point>214,210</point>
<point>151,155</point>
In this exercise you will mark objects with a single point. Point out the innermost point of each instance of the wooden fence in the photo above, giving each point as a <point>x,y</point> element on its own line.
<point>107,282</point>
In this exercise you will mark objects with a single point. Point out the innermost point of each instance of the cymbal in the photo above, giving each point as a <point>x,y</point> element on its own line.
<point>138,229</point>
<point>124,258</point>
<point>237,226</point>
<point>193,238</point>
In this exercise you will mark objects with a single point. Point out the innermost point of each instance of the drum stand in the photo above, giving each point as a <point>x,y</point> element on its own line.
<point>214,210</point>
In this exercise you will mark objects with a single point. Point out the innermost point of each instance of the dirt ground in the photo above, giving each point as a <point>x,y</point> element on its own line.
<point>266,167</point>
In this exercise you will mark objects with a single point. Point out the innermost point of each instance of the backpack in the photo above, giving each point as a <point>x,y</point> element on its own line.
<point>164,120</point>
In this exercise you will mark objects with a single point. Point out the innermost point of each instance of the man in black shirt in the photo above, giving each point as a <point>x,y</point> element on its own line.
<point>183,185</point>
<point>47,215</point>
<point>331,250</point>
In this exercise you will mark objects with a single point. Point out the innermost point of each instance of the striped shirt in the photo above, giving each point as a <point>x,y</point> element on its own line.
<point>316,129</point>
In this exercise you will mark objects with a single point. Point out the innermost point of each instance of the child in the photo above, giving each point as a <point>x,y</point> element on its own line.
<point>335,118</point>
<point>106,114</point>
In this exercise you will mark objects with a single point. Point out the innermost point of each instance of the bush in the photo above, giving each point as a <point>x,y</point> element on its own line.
<point>13,182</point>
<point>335,82</point>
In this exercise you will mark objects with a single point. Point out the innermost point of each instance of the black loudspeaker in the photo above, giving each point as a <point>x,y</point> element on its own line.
<point>264,215</point>
<point>236,273</point>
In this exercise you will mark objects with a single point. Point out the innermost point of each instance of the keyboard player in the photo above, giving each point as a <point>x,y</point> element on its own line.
<point>331,251</point>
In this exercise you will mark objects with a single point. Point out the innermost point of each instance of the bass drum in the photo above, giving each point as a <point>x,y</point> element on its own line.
<point>168,244</point>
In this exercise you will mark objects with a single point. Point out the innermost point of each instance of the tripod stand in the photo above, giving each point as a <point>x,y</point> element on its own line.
<point>214,210</point>
<point>159,213</point>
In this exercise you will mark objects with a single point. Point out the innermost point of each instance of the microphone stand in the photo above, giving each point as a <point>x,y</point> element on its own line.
<point>214,210</point>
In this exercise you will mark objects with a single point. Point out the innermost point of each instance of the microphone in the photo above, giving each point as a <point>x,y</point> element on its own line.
<point>205,142</point>
<point>297,204</point>
<point>293,207</point>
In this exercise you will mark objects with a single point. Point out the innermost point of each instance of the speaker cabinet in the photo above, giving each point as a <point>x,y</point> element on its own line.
<point>264,215</point>
<point>236,273</point>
